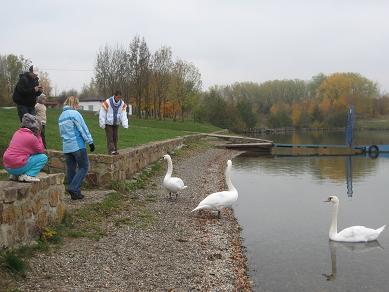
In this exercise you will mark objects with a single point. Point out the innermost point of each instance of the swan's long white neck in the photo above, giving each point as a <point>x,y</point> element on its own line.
<point>228,179</point>
<point>169,167</point>
<point>334,222</point>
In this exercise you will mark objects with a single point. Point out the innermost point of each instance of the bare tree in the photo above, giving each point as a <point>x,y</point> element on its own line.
<point>45,82</point>
<point>161,72</point>
<point>4,88</point>
<point>139,61</point>
<point>102,70</point>
<point>185,85</point>
<point>110,70</point>
<point>152,80</point>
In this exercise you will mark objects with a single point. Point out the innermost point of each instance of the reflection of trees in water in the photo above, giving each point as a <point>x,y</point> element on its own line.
<point>323,137</point>
<point>357,247</point>
<point>333,168</point>
<point>371,137</point>
<point>321,167</point>
<point>336,168</point>
<point>312,137</point>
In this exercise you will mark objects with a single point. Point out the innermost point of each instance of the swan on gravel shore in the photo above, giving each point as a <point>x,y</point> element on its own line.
<point>351,234</point>
<point>219,200</point>
<point>172,184</point>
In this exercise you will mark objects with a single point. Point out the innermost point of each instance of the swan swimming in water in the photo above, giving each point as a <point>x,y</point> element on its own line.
<point>351,234</point>
<point>219,200</point>
<point>172,184</point>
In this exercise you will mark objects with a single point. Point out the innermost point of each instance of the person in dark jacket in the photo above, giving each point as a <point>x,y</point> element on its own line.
<point>26,91</point>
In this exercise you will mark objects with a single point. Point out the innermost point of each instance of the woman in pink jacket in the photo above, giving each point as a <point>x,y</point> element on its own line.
<point>24,157</point>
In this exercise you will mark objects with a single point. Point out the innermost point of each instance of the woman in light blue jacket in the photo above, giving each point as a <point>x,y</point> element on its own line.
<point>75,135</point>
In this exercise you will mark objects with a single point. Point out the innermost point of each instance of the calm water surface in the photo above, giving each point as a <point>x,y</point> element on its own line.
<point>285,223</point>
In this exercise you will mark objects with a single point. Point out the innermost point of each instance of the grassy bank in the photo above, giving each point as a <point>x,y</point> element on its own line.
<point>139,132</point>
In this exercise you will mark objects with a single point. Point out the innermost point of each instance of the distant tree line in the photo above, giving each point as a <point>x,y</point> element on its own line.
<point>160,86</point>
<point>320,102</point>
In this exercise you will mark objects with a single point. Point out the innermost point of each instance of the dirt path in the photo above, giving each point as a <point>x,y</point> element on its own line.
<point>172,249</point>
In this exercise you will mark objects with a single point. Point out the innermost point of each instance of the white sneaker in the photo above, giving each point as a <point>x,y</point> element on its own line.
<point>27,178</point>
<point>13,177</point>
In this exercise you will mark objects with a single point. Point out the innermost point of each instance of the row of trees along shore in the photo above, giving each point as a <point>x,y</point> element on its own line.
<point>159,86</point>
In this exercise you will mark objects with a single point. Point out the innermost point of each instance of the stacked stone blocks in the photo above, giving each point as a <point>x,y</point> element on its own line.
<point>26,208</point>
<point>105,169</point>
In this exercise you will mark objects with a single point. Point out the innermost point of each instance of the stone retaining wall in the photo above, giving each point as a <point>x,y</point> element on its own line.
<point>25,208</point>
<point>104,169</point>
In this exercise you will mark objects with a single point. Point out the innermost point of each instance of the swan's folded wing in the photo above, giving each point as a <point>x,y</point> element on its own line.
<point>177,181</point>
<point>357,231</point>
<point>214,200</point>
<point>173,184</point>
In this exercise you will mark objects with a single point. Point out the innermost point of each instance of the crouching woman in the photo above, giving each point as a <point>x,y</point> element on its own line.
<point>24,157</point>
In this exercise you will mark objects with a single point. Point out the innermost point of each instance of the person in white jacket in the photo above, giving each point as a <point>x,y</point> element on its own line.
<point>113,113</point>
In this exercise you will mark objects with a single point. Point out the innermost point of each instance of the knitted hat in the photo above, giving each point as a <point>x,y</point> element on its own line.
<point>30,122</point>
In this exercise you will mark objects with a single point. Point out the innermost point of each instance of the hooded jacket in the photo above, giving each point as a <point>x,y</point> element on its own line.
<point>73,130</point>
<point>24,93</point>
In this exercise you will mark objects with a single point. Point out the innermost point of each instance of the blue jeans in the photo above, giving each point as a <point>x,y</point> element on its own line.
<point>76,169</point>
<point>33,166</point>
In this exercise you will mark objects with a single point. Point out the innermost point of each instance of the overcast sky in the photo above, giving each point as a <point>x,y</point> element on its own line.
<point>229,41</point>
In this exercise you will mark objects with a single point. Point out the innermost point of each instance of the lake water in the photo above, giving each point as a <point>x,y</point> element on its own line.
<point>285,223</point>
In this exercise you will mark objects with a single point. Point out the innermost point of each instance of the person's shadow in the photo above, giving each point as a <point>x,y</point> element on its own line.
<point>358,247</point>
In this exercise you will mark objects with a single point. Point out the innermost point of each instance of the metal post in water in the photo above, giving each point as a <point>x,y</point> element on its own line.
<point>350,126</point>
<point>349,176</point>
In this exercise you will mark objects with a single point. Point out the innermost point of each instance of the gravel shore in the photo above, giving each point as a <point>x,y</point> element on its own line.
<point>175,251</point>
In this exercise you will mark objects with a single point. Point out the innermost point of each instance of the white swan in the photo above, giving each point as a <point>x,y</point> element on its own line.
<point>219,200</point>
<point>172,184</point>
<point>351,234</point>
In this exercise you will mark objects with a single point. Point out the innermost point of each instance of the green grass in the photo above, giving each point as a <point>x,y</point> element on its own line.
<point>140,131</point>
<point>14,263</point>
<point>90,221</point>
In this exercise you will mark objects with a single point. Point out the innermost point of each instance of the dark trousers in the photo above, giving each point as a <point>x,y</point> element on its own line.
<point>23,109</point>
<point>43,135</point>
<point>112,138</point>
<point>77,165</point>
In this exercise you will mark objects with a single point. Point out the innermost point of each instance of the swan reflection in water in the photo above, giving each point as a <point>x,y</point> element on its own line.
<point>358,247</point>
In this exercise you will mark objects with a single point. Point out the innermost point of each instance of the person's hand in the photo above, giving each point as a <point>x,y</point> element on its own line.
<point>92,147</point>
